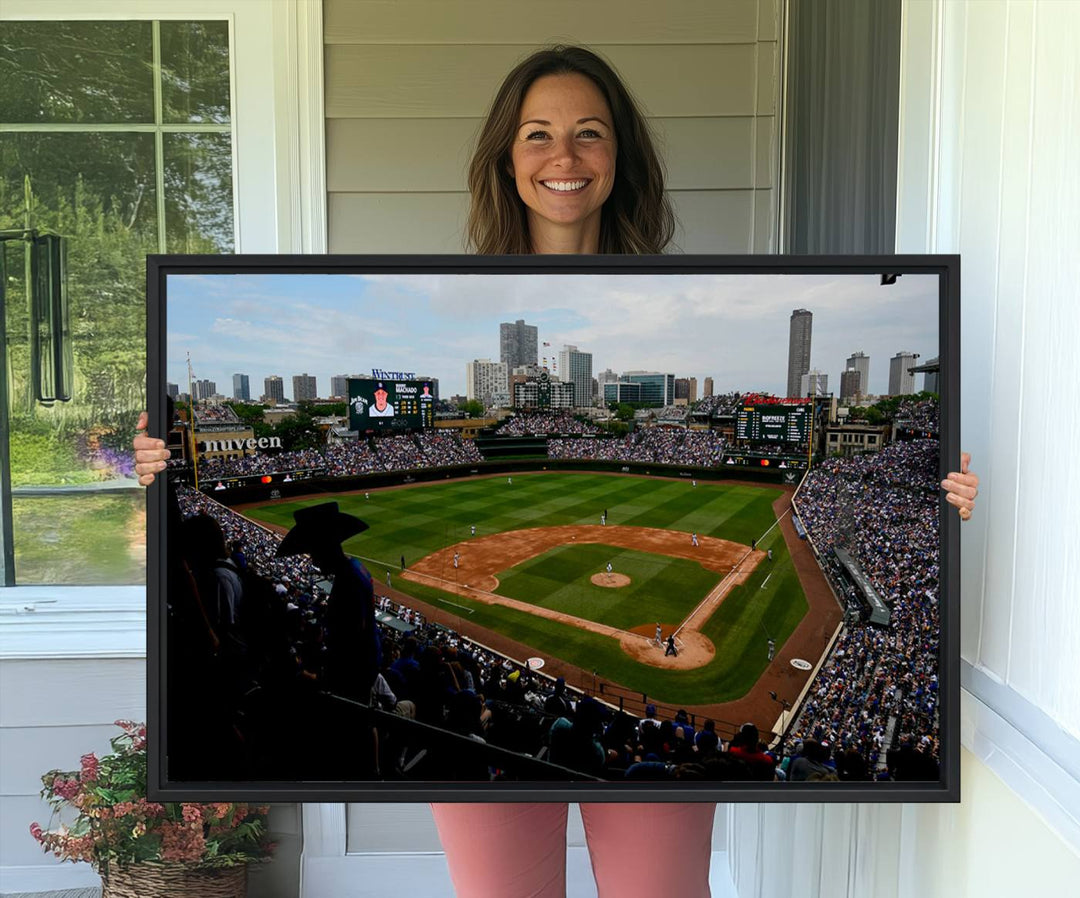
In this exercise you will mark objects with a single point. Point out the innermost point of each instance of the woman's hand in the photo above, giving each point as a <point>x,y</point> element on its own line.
<point>150,453</point>
<point>962,487</point>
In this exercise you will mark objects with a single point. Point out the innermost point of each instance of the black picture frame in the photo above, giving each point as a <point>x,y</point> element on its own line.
<point>947,789</point>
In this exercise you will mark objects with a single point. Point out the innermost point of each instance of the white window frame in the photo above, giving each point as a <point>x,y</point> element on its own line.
<point>279,192</point>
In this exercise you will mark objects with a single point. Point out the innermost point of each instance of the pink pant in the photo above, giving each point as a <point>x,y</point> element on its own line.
<point>519,850</point>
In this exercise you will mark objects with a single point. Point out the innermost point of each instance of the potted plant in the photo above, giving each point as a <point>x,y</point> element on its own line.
<point>141,847</point>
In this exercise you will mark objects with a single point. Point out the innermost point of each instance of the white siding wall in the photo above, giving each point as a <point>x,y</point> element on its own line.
<point>989,143</point>
<point>408,82</point>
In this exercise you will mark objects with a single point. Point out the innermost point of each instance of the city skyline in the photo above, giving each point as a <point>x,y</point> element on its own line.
<point>733,329</point>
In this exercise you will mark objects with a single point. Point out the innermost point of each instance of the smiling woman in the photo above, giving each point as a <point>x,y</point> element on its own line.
<point>565,163</point>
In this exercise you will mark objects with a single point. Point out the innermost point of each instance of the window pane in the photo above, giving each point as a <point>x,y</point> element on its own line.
<point>76,72</point>
<point>198,193</point>
<point>195,72</point>
<point>85,539</point>
<point>98,191</point>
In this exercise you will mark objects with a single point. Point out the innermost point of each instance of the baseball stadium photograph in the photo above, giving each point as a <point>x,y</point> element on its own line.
<point>561,528</point>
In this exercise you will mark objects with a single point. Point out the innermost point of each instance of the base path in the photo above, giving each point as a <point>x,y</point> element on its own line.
<point>480,559</point>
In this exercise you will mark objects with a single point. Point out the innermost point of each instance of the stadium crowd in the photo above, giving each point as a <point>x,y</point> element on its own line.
<point>430,673</point>
<point>878,688</point>
<point>543,423</point>
<point>661,445</point>
<point>398,452</point>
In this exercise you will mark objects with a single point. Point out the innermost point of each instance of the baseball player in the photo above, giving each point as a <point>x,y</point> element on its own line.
<point>659,638</point>
<point>770,554</point>
<point>772,649</point>
<point>456,561</point>
<point>693,483</point>
<point>609,568</point>
<point>510,480</point>
<point>603,520</point>
<point>472,530</point>
<point>388,578</point>
<point>693,539</point>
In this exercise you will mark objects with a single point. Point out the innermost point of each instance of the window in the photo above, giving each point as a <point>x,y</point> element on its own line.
<point>118,136</point>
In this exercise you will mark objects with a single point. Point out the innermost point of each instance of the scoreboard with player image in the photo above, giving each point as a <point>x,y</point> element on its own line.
<point>390,404</point>
<point>773,423</point>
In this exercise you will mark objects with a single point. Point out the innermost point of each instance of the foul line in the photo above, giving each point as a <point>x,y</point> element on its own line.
<point>721,587</point>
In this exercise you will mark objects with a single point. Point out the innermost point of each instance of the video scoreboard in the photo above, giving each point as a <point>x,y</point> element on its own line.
<point>773,423</point>
<point>389,404</point>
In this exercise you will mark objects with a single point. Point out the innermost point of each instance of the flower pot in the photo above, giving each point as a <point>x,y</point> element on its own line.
<point>173,881</point>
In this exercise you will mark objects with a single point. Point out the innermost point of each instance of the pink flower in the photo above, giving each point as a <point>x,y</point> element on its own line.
<point>181,842</point>
<point>65,788</point>
<point>192,813</point>
<point>89,768</point>
<point>36,832</point>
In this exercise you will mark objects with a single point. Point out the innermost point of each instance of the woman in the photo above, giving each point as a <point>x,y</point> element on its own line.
<point>565,164</point>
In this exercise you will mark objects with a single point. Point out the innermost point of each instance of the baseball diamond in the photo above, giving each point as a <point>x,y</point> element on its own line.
<point>532,581</point>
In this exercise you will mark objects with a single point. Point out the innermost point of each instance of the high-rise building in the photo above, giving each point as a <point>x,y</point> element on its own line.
<point>303,387</point>
<point>851,385</point>
<point>860,361</point>
<point>575,366</point>
<point>204,389</point>
<point>339,385</point>
<point>902,381</point>
<point>931,379</point>
<point>241,387</point>
<point>517,344</point>
<point>798,359</point>
<point>686,390</point>
<point>172,390</point>
<point>813,383</point>
<point>707,389</point>
<point>656,388</point>
<point>484,379</point>
<point>274,389</point>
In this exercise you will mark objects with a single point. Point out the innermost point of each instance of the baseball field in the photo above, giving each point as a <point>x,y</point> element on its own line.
<point>536,571</point>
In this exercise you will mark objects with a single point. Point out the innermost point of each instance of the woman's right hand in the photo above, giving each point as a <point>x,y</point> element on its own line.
<point>150,453</point>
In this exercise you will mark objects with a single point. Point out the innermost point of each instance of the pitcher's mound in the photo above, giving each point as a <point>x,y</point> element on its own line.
<point>611,580</point>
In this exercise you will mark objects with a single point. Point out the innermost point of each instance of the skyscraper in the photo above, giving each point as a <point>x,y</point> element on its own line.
<point>274,389</point>
<point>901,381</point>
<point>204,389</point>
<point>339,386</point>
<point>707,390</point>
<point>851,384</point>
<point>517,344</point>
<point>241,387</point>
<point>860,361</point>
<point>686,389</point>
<point>303,387</point>
<point>576,367</point>
<point>484,379</point>
<point>798,360</point>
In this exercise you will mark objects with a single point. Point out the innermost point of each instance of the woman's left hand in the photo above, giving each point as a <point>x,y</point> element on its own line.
<point>961,487</point>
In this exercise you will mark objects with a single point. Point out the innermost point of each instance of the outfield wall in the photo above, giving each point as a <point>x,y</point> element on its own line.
<point>256,491</point>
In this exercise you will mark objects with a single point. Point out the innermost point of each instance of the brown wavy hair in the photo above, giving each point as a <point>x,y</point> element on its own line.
<point>636,218</point>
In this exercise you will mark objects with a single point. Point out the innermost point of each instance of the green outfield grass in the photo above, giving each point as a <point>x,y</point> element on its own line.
<point>416,521</point>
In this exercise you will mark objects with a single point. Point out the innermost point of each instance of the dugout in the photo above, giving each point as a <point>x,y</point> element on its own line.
<point>868,596</point>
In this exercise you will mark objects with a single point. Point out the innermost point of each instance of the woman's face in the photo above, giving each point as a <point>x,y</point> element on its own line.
<point>563,154</point>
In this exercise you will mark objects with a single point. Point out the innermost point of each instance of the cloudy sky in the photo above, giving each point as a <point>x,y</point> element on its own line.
<point>733,328</point>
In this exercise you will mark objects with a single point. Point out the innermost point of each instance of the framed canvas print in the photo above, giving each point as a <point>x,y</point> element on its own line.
<point>560,528</point>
